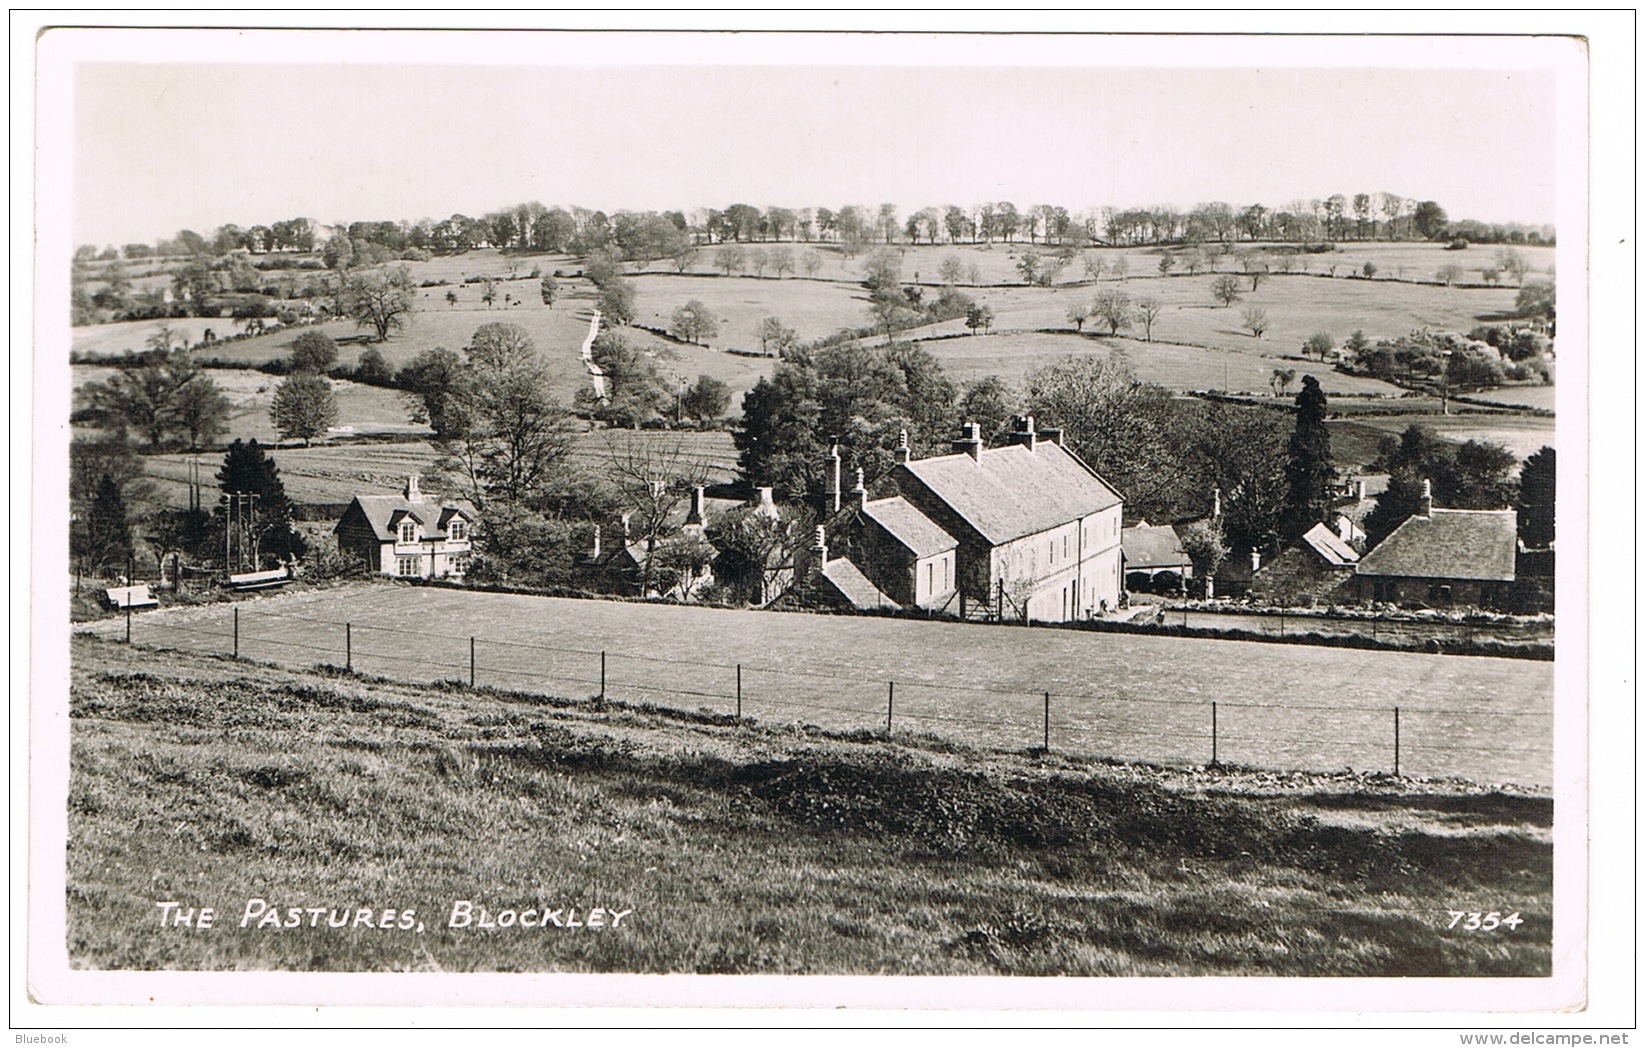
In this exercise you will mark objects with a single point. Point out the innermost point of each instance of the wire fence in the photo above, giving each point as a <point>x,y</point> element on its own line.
<point>1431,740</point>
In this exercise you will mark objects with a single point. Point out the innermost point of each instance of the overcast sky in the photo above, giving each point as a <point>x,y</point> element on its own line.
<point>205,133</point>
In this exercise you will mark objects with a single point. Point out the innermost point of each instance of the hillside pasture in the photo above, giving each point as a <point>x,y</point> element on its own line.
<point>330,475</point>
<point>362,410</point>
<point>813,308</point>
<point>736,848</point>
<point>112,340</point>
<point>1126,696</point>
<point>1520,434</point>
<point>1297,307</point>
<point>1014,355</point>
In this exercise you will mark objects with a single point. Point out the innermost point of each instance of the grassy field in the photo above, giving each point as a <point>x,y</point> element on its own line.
<point>1018,353</point>
<point>736,849</point>
<point>1201,345</point>
<point>361,410</point>
<point>1520,434</point>
<point>1520,397</point>
<point>1297,306</point>
<point>1126,696</point>
<point>328,475</point>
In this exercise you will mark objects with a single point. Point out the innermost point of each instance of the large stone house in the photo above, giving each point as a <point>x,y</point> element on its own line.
<point>409,535</point>
<point>1024,531</point>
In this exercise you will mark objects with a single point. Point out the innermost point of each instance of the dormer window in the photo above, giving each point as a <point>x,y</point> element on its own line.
<point>408,531</point>
<point>458,529</point>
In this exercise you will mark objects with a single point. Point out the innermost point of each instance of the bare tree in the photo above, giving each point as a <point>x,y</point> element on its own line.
<point>382,301</point>
<point>1114,309</point>
<point>654,480</point>
<point>1256,319</point>
<point>1149,308</point>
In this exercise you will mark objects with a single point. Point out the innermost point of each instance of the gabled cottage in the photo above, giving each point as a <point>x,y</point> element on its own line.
<point>883,553</point>
<point>409,535</point>
<point>1313,568</point>
<point>1442,558</point>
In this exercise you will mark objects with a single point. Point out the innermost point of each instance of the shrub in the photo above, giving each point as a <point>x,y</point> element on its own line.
<point>1167,582</point>
<point>1457,244</point>
<point>1139,582</point>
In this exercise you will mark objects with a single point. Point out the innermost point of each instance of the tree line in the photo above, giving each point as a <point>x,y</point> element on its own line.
<point>533,226</point>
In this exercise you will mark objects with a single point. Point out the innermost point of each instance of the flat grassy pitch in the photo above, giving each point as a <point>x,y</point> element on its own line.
<point>731,849</point>
<point>1126,696</point>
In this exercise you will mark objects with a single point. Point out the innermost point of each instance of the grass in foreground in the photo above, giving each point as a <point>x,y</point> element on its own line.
<point>741,849</point>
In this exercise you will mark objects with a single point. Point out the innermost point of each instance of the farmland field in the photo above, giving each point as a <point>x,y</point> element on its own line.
<point>731,847</point>
<point>1297,305</point>
<point>1199,345</point>
<point>331,475</point>
<point>361,409</point>
<point>1520,434</point>
<point>1016,354</point>
<point>1126,696</point>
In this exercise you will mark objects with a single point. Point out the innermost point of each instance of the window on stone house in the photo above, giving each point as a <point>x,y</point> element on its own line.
<point>458,529</point>
<point>408,531</point>
<point>406,567</point>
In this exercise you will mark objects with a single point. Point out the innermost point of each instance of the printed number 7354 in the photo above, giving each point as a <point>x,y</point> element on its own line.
<point>1484,922</point>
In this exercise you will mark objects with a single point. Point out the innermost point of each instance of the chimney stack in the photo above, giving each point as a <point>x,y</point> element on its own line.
<point>595,553</point>
<point>859,494</point>
<point>1359,488</point>
<point>971,442</point>
<point>627,519</point>
<point>1216,503</point>
<point>412,492</point>
<point>1022,431</point>
<point>1052,435</point>
<point>764,503</point>
<point>1256,562</point>
<point>834,478</point>
<point>1427,509</point>
<point>819,547</point>
<point>696,515</point>
<point>903,452</point>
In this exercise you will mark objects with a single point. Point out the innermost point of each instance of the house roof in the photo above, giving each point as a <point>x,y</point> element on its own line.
<point>382,513</point>
<point>854,586</point>
<point>1012,491</point>
<point>918,532</point>
<point>1330,546</point>
<point>1148,546</point>
<point>1477,544</point>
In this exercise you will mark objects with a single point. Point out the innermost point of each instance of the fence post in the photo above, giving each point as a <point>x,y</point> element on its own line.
<point>890,699</point>
<point>471,662</point>
<point>739,691</point>
<point>236,632</point>
<point>1047,739</point>
<point>1213,733</point>
<point>128,615</point>
<point>348,645</point>
<point>1396,742</point>
<point>602,676</point>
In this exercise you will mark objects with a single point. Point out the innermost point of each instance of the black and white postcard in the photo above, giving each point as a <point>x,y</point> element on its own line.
<point>1058,520</point>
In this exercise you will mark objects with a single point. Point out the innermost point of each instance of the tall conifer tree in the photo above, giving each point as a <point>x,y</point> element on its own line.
<point>1308,470</point>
